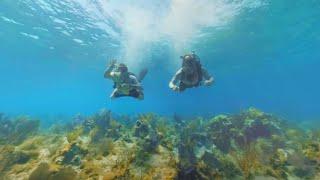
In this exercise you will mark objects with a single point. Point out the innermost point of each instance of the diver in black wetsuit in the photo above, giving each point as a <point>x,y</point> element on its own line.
<point>191,74</point>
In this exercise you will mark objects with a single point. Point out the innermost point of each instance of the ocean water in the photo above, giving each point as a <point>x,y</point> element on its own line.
<point>262,53</point>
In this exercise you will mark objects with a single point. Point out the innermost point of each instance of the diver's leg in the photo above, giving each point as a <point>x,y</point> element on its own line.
<point>113,94</point>
<point>116,94</point>
<point>141,95</point>
<point>136,94</point>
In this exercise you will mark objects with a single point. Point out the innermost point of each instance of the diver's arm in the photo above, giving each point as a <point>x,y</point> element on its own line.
<point>114,92</point>
<point>108,72</point>
<point>208,79</point>
<point>175,80</point>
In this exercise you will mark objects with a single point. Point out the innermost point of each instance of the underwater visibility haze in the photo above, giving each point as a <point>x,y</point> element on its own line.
<point>57,120</point>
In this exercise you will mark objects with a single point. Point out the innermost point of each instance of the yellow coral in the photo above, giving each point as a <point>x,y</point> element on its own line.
<point>46,171</point>
<point>162,165</point>
<point>103,148</point>
<point>147,118</point>
<point>74,135</point>
<point>312,151</point>
<point>255,112</point>
<point>248,160</point>
<point>32,143</point>
<point>91,169</point>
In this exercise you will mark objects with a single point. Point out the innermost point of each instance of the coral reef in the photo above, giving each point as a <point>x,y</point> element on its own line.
<point>15,131</point>
<point>248,145</point>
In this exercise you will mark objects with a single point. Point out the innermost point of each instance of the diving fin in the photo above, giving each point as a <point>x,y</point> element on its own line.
<point>142,74</point>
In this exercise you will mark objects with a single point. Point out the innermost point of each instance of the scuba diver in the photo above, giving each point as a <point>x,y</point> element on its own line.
<point>125,82</point>
<point>191,74</point>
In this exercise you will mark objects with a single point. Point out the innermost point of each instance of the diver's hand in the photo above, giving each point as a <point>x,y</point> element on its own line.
<point>112,62</point>
<point>175,88</point>
<point>208,83</point>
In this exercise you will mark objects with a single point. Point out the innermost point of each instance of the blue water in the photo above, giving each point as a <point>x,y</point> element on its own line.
<point>262,53</point>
